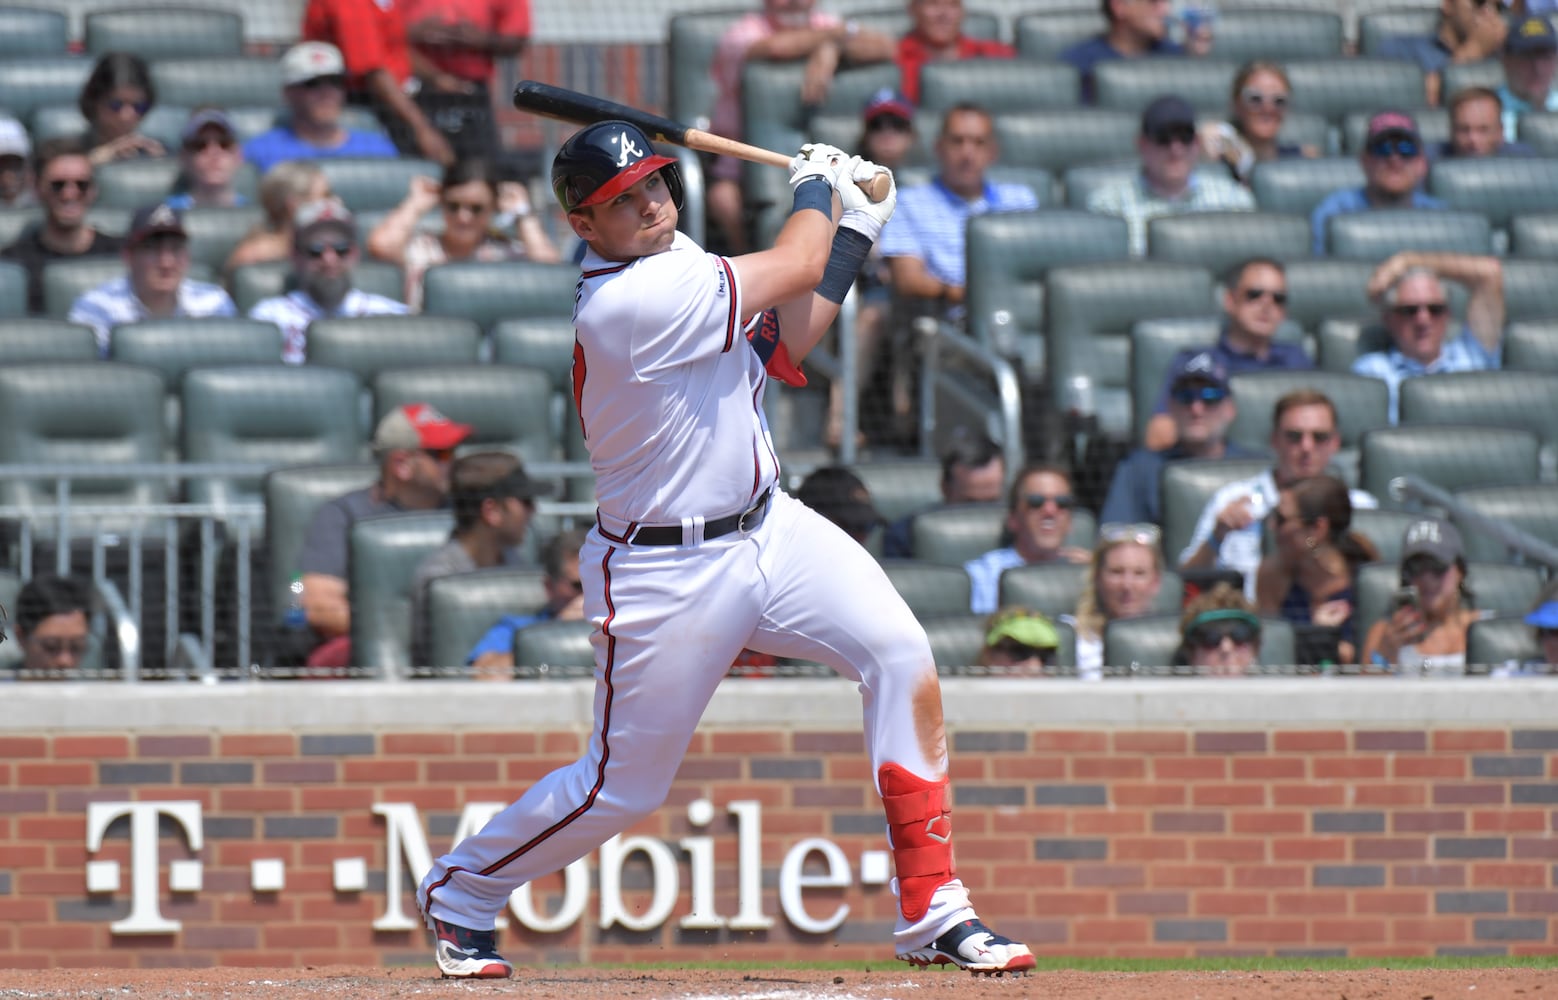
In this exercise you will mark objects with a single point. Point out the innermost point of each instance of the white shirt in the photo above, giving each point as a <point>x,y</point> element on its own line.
<point>669,392</point>
<point>293,312</point>
<point>114,302</point>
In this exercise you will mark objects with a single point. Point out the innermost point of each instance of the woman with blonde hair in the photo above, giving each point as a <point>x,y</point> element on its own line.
<point>285,188</point>
<point>1256,113</point>
<point>1122,581</point>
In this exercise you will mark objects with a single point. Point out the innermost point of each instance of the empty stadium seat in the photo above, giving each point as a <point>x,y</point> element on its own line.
<point>23,340</point>
<point>489,292</point>
<point>1343,341</point>
<point>129,184</point>
<point>1449,457</point>
<point>997,85</point>
<point>1131,84</point>
<point>368,183</point>
<point>1219,240</point>
<point>1375,27</point>
<point>1433,124</point>
<point>241,82</point>
<point>955,640</point>
<point>1492,398</point>
<point>463,607</point>
<point>254,282</point>
<point>1498,587</point>
<point>1321,288</point>
<point>1529,290</point>
<point>32,31</point>
<point>773,113</point>
<point>1280,35</point>
<point>1046,34</point>
<point>1532,508</point>
<point>1531,346</point>
<point>1534,235</point>
<point>293,495</point>
<point>215,232</point>
<point>901,487</point>
<point>692,39</point>
<point>555,644</point>
<point>1493,642</point>
<point>545,344</point>
<point>508,406</point>
<point>31,82</point>
<point>1051,589</point>
<point>385,552</point>
<point>1498,187</point>
<point>1483,73</point>
<point>64,280</point>
<point>174,346</point>
<point>13,290</point>
<point>1297,185</point>
<point>1061,138</point>
<point>929,589</point>
<point>1377,235</point>
<point>1539,130</point>
<point>1362,404</point>
<point>367,345</point>
<point>163,32</point>
<point>1384,528</point>
<point>1335,87</point>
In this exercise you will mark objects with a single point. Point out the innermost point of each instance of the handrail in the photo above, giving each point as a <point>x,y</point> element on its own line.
<point>1414,487</point>
<point>1008,388</point>
<point>126,629</point>
<point>841,368</point>
<point>190,656</point>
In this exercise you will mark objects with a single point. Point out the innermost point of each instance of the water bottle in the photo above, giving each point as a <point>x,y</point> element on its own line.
<point>295,617</point>
<point>1003,334</point>
<point>1079,396</point>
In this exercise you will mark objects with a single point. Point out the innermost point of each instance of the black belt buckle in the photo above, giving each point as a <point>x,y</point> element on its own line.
<point>756,513</point>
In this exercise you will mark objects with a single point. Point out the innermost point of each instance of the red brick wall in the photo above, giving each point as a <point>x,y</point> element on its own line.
<point>1146,843</point>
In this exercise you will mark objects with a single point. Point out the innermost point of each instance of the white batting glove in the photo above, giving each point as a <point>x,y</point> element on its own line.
<point>861,214</point>
<point>818,160</point>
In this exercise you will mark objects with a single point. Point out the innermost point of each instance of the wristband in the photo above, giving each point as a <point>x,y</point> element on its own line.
<point>844,263</point>
<point>814,192</point>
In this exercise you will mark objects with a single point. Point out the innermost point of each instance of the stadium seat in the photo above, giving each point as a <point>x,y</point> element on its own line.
<point>1051,589</point>
<point>901,487</point>
<point>491,292</point>
<point>1531,346</point>
<point>13,290</point>
<point>31,82</point>
<point>32,31</point>
<point>1277,35</point>
<point>241,82</point>
<point>1187,486</point>
<point>1498,187</point>
<point>1342,341</point>
<point>270,414</point>
<point>1499,587</point>
<point>1046,34</point>
<point>1532,509</point>
<point>1493,642</point>
<point>1062,138</point>
<point>545,344</point>
<point>64,280</point>
<point>215,232</point>
<point>953,535</point>
<point>129,184</point>
<point>385,552</point>
<point>254,282</point>
<point>164,122</point>
<point>164,32</point>
<point>771,107</point>
<point>1219,240</point>
<point>367,345</point>
<point>1483,73</point>
<point>461,608</point>
<point>1131,84</point>
<point>930,589</point>
<point>1491,398</point>
<point>1384,528</point>
<point>1376,26</point>
<point>1154,342</point>
<point>1449,457</point>
<point>955,640</point>
<point>1298,185</point>
<point>895,21</point>
<point>1433,124</point>
<point>1321,288</point>
<point>1301,128</point>
<point>1539,130</point>
<point>251,121</point>
<point>1534,236</point>
<point>1334,87</point>
<point>174,346</point>
<point>1153,640</point>
<point>1089,310</point>
<point>369,183</point>
<point>555,644</point>
<point>1362,404</point>
<point>693,39</point>
<point>23,340</point>
<point>292,496</point>
<point>1377,235</point>
<point>997,85</point>
<point>509,406</point>
<point>1529,290</point>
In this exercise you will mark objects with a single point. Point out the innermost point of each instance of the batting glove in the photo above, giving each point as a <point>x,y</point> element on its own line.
<point>861,214</point>
<point>818,160</point>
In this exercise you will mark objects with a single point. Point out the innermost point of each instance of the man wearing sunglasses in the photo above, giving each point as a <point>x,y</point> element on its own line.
<point>209,158</point>
<point>1167,183</point>
<point>1468,31</point>
<point>324,253</point>
<point>1201,408</point>
<point>1416,312</point>
<point>1394,166</point>
<point>313,86</point>
<point>66,189</point>
<point>52,617</point>
<point>1038,520</point>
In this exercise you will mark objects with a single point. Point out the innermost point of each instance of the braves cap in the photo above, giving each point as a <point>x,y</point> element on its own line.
<point>149,220</point>
<point>207,117</point>
<point>13,138</point>
<point>1200,367</point>
<point>310,60</point>
<point>1168,111</point>
<point>1389,124</point>
<point>887,102</point>
<point>1530,36</point>
<point>324,213</point>
<point>1432,537</point>
<point>415,426</point>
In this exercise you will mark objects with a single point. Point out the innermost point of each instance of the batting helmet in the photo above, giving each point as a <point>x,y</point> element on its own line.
<point>603,160</point>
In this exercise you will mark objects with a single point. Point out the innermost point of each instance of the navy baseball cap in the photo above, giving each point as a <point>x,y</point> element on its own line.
<point>1530,36</point>
<point>887,102</point>
<point>1168,111</point>
<point>149,220</point>
<point>1202,366</point>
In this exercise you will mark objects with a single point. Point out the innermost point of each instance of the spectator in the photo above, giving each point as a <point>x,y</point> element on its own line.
<point>936,33</point>
<point>414,445</point>
<point>923,243</point>
<point>973,470</point>
<point>1219,634</point>
<point>66,189</point>
<point>1476,128</point>
<point>493,654</point>
<point>494,502</point>
<point>887,136</point>
<point>1201,407</point>
<point>838,495</point>
<point>460,41</point>
<point>471,194</point>
<point>1468,31</point>
<point>1417,314</point>
<point>1167,183</point>
<point>324,253</point>
<point>370,36</point>
<point>288,187</point>
<point>52,619</point>
<point>1530,59</point>
<point>1393,170</point>
<point>1426,630</point>
<point>157,285</point>
<point>16,187</point>
<point>1038,519</point>
<point>783,31</point>
<point>1253,132</point>
<point>1305,438</point>
<point>1543,619</point>
<point>114,101</point>
<point>209,158</point>
<point>1019,641</point>
<point>1123,580</point>
<point>1311,575</point>
<point>1137,29</point>
<point>1255,305</point>
<point>313,85</point>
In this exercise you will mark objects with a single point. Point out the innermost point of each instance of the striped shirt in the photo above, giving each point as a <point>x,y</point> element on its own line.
<point>929,222</point>
<point>1131,201</point>
<point>293,312</point>
<point>1463,354</point>
<point>115,303</point>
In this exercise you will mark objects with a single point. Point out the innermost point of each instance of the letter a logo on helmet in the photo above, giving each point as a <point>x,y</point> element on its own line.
<point>601,161</point>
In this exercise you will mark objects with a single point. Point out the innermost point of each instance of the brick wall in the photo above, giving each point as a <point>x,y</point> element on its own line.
<point>1143,841</point>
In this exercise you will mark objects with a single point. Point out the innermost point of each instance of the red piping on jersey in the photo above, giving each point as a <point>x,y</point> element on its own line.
<point>604,270</point>
<point>757,471</point>
<point>579,370</point>
<point>733,322</point>
<point>600,771</point>
<point>624,539</point>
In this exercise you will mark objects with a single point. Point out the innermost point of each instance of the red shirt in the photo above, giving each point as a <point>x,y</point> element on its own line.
<point>371,34</point>
<point>496,17</point>
<point>914,54</point>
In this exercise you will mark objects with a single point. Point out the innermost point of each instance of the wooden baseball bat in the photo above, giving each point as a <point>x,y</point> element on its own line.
<point>585,109</point>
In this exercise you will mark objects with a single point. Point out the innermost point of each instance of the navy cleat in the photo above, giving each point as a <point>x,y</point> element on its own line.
<point>973,946</point>
<point>467,954</point>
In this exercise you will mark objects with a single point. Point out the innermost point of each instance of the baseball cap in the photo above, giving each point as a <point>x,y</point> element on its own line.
<point>1544,616</point>
<point>513,483</point>
<point>1392,123</point>
<point>1165,112</point>
<point>1026,627</point>
<point>417,425</point>
<point>322,213</point>
<point>13,138</point>
<point>307,61</point>
<point>839,495</point>
<point>1199,367</point>
<point>1530,36</point>
<point>207,117</point>
<point>887,102</point>
<point>1432,537</point>
<point>149,220</point>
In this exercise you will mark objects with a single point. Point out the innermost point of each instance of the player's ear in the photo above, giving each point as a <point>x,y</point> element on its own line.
<point>583,224</point>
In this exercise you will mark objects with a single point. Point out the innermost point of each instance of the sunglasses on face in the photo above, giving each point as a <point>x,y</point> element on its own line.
<point>116,105</point>
<point>1142,534</point>
<point>1256,99</point>
<point>1423,565</point>
<point>473,207</point>
<point>1407,149</point>
<point>1256,294</point>
<point>201,145</point>
<point>317,249</point>
<point>1211,395</point>
<point>56,646</point>
<point>59,186</point>
<point>1297,437</point>
<point>889,123</point>
<point>1168,136</point>
<point>1011,649</point>
<point>1409,310</point>
<point>324,81</point>
<point>1065,501</point>
<point>1212,636</point>
<point>439,454</point>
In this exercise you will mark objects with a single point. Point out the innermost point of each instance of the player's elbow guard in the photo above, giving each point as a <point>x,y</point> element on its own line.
<point>763,335</point>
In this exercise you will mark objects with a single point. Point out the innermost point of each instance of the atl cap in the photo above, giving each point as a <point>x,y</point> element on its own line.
<point>1202,366</point>
<point>1432,537</point>
<point>887,102</point>
<point>310,60</point>
<point>417,425</point>
<point>149,220</point>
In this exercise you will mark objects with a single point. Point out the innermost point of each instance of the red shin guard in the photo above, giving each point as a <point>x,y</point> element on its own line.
<point>920,823</point>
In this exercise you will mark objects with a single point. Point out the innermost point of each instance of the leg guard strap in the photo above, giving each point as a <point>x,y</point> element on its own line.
<point>920,826</point>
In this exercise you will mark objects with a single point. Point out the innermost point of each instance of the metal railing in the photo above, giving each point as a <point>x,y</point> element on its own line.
<point>1519,543</point>
<point>1003,405</point>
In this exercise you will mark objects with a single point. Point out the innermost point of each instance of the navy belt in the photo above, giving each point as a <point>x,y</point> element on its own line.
<point>671,534</point>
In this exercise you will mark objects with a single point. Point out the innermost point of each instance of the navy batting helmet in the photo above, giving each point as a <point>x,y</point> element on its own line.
<point>603,160</point>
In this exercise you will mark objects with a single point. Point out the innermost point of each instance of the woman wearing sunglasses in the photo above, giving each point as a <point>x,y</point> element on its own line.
<point>1256,114</point>
<point>471,197</point>
<point>1425,631</point>
<point>1219,634</point>
<point>1311,575</point>
<point>114,101</point>
<point>1121,582</point>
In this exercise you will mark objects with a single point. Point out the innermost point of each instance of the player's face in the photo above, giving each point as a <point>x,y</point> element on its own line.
<point>56,644</point>
<point>1475,129</point>
<point>636,223</point>
<point>1253,304</point>
<point>1128,581</point>
<point>977,483</point>
<point>1043,513</point>
<point>1305,440</point>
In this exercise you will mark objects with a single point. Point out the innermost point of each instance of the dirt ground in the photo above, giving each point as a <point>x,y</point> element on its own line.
<point>888,983</point>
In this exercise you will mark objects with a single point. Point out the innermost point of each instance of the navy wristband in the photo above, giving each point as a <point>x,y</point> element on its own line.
<point>844,263</point>
<point>814,192</point>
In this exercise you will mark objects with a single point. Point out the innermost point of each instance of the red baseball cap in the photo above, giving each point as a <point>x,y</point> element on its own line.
<point>416,426</point>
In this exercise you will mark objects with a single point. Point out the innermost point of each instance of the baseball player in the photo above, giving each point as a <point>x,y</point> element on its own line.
<point>697,553</point>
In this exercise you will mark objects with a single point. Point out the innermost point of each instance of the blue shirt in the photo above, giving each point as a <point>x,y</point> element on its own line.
<point>1427,51</point>
<point>1135,495</point>
<point>1514,107</point>
<point>1282,357</point>
<point>1463,354</point>
<point>984,575</point>
<point>929,221</point>
<point>500,638</point>
<point>185,201</point>
<point>1349,200</point>
<point>281,144</point>
<point>1087,54</point>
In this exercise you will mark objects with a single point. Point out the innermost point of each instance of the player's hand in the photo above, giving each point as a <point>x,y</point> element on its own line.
<point>817,159</point>
<point>861,214</point>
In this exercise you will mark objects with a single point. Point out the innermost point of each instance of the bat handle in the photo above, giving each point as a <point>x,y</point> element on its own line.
<point>877,187</point>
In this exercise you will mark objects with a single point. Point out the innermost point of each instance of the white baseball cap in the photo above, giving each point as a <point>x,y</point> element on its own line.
<point>309,60</point>
<point>13,139</point>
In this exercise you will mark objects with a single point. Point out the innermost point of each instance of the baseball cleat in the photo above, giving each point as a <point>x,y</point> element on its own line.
<point>466,954</point>
<point>973,946</point>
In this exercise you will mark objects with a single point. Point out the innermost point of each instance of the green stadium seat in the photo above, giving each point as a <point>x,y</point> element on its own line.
<point>693,39</point>
<point>998,85</point>
<point>1219,240</point>
<point>1303,128</point>
<point>1334,87</point>
<point>1342,341</point>
<point>1052,589</point>
<point>369,183</point>
<point>1500,587</point>
<point>1449,457</point>
<point>164,32</point>
<point>555,644</point>
<point>1531,346</point>
<point>491,292</point>
<point>13,290</point>
<point>28,83</point>
<point>930,589</point>
<point>955,640</point>
<point>215,232</point>
<point>1063,138</point>
<point>1483,73</point>
<point>164,122</point>
<point>292,496</point>
<point>1154,342</point>
<point>545,344</point>
<point>23,340</point>
<point>173,347</point>
<point>1529,290</point>
<point>368,345</point>
<point>1433,124</point>
<point>1384,528</point>
<point>952,535</point>
<point>509,406</point>
<point>1153,641</point>
<point>1278,35</point>
<point>1534,235</point>
<point>254,282</point>
<point>1131,84</point>
<point>1493,642</point>
<point>1362,404</point>
<point>241,82</point>
<point>1298,185</point>
<point>771,106</point>
<point>1498,187</point>
<point>1046,34</point>
<point>32,31</point>
<point>901,487</point>
<point>64,280</point>
<point>1377,235</point>
<point>1532,509</point>
<point>461,608</point>
<point>1375,27</point>
<point>1187,486</point>
<point>1492,398</point>
<point>1321,288</point>
<point>1539,130</point>
<point>385,552</point>
<point>129,184</point>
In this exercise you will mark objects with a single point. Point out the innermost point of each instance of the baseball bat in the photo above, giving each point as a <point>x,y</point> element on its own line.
<point>585,109</point>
